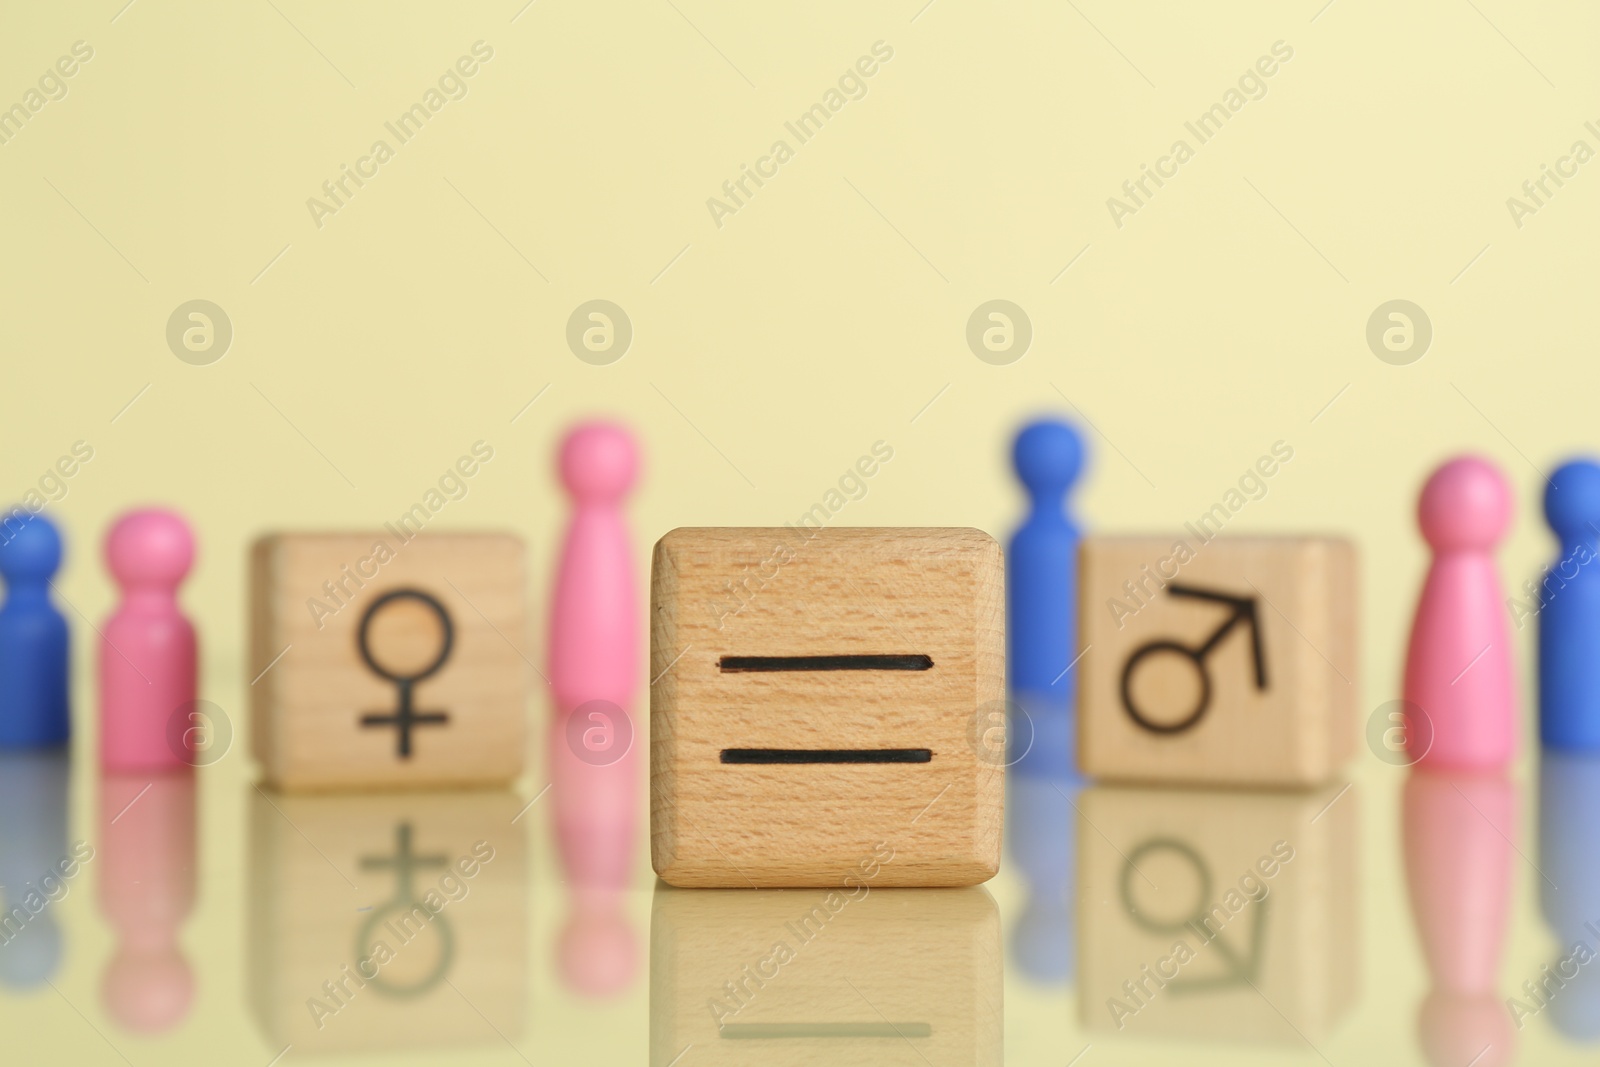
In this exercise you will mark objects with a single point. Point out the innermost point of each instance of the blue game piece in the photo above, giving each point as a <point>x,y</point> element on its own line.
<point>1569,619</point>
<point>1569,892</point>
<point>1042,597</point>
<point>33,635</point>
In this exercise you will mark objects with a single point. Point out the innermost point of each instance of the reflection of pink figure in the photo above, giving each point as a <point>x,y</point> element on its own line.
<point>595,821</point>
<point>1457,839</point>
<point>594,742</point>
<point>1458,666</point>
<point>147,659</point>
<point>147,889</point>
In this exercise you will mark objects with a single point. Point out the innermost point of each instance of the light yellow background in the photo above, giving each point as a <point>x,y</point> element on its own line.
<point>769,353</point>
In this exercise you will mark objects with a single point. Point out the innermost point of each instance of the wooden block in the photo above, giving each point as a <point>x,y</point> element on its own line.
<point>816,695</point>
<point>866,976</point>
<point>441,616</point>
<point>1261,889</point>
<point>440,879</point>
<point>1232,660</point>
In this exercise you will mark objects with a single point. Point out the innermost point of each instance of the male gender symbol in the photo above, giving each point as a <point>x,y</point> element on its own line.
<point>405,716</point>
<point>1236,970</point>
<point>1243,608</point>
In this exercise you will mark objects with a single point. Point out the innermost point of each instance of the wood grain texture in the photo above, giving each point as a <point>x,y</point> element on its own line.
<point>323,890</point>
<point>828,592</point>
<point>1276,956</point>
<point>307,708</point>
<point>1298,730</point>
<point>870,976</point>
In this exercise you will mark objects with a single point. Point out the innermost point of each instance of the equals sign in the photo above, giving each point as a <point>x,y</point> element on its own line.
<point>773,664</point>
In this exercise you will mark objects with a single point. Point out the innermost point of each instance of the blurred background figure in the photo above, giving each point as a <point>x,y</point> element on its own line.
<point>33,635</point>
<point>149,652</point>
<point>1041,653</point>
<point>594,744</point>
<point>1042,597</point>
<point>1567,602</point>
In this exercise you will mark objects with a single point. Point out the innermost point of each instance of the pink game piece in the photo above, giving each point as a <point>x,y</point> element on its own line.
<point>594,673</point>
<point>147,890</point>
<point>594,623</point>
<point>1458,833</point>
<point>1458,668</point>
<point>147,657</point>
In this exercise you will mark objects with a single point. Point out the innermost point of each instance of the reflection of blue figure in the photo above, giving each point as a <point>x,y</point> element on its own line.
<point>33,839</point>
<point>1569,807</point>
<point>1041,825</point>
<point>1042,593</point>
<point>33,636</point>
<point>1569,621</point>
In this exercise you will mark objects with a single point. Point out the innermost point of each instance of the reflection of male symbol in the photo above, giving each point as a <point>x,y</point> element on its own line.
<point>405,901</point>
<point>405,716</point>
<point>1236,970</point>
<point>1243,608</point>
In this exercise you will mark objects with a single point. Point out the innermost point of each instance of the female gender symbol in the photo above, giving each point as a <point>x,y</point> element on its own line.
<point>404,716</point>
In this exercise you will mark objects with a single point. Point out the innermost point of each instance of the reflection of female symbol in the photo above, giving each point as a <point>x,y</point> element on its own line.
<point>404,716</point>
<point>1243,608</point>
<point>405,902</point>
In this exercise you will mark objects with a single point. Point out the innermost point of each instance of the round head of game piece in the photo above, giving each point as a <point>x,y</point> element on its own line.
<point>150,549</point>
<point>1048,455</point>
<point>1572,501</point>
<point>598,462</point>
<point>30,548</point>
<point>1466,505</point>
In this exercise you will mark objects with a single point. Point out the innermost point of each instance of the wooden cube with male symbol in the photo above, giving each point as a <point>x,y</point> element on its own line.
<point>1228,659</point>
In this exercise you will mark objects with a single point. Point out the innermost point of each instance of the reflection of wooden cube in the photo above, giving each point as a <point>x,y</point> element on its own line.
<point>382,662</point>
<point>440,879</point>
<point>865,976</point>
<point>1231,660</point>
<point>817,692</point>
<point>1260,888</point>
